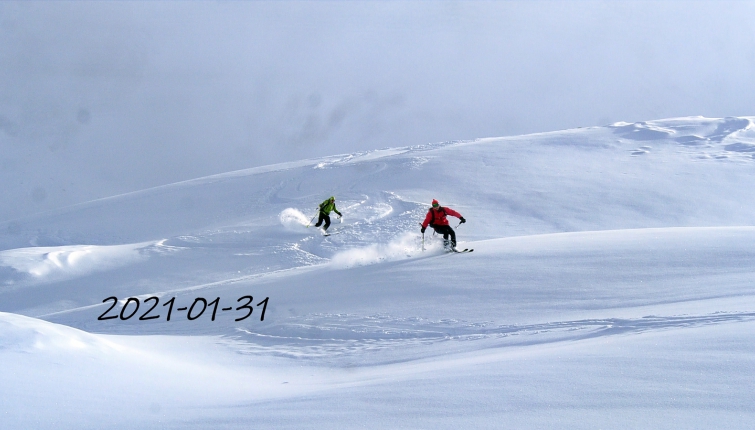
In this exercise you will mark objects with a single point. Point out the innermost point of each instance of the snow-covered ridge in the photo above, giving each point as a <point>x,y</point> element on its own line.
<point>496,173</point>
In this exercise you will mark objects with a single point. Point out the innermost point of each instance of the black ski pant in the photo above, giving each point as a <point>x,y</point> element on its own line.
<point>323,217</point>
<point>446,231</point>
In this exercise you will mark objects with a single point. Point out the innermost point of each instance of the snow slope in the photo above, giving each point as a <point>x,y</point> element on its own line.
<point>610,287</point>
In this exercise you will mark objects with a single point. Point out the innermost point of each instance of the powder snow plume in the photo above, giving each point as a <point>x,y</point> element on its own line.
<point>404,246</point>
<point>293,219</point>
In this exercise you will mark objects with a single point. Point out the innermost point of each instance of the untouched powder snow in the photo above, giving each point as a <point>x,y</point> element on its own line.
<point>611,286</point>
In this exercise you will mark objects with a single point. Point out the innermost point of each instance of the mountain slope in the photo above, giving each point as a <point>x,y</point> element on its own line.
<point>611,278</point>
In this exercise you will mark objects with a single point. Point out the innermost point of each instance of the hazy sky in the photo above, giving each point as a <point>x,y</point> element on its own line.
<point>99,98</point>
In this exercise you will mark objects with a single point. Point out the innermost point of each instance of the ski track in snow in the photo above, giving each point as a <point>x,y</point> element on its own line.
<point>345,338</point>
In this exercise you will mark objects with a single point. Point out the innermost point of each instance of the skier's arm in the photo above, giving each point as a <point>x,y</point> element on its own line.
<point>453,213</point>
<point>427,220</point>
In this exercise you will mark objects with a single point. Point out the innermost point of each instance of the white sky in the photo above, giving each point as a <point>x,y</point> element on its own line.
<point>100,98</point>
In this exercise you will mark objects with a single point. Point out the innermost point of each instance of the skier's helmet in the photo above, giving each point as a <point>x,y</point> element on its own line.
<point>435,203</point>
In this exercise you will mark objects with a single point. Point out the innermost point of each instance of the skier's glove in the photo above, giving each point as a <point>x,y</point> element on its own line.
<point>463,220</point>
<point>422,229</point>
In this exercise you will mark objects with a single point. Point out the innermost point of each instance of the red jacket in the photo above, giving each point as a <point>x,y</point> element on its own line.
<point>439,217</point>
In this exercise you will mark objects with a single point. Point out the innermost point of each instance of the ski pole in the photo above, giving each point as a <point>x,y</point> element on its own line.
<point>310,221</point>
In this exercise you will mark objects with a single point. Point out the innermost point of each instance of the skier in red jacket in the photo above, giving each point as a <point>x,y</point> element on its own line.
<point>436,218</point>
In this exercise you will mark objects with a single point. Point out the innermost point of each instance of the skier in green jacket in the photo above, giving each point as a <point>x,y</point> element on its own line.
<point>326,208</point>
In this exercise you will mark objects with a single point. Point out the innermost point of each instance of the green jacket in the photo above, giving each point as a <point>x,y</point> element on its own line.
<point>327,207</point>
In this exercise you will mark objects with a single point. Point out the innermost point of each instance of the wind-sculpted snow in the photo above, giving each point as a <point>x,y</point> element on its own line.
<point>643,131</point>
<point>702,138</point>
<point>55,263</point>
<point>611,286</point>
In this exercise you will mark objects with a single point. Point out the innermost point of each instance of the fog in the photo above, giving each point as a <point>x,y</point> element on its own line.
<point>101,98</point>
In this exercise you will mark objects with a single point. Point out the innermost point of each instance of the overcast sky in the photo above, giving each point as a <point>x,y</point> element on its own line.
<point>99,98</point>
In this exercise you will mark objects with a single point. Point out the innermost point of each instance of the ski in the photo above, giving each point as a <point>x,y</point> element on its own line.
<point>336,230</point>
<point>460,252</point>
